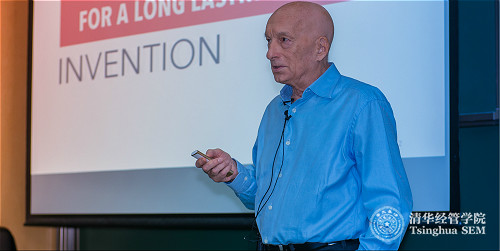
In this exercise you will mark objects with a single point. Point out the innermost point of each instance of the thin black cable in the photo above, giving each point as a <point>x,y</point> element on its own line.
<point>259,208</point>
<point>275,183</point>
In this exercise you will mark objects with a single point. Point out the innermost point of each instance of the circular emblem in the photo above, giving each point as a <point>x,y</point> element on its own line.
<point>386,224</point>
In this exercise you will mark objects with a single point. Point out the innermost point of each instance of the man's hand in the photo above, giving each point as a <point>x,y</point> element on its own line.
<point>219,165</point>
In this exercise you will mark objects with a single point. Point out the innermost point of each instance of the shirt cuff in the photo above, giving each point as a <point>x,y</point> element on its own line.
<point>242,182</point>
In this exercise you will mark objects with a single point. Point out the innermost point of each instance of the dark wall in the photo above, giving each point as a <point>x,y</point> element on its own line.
<point>165,239</point>
<point>479,160</point>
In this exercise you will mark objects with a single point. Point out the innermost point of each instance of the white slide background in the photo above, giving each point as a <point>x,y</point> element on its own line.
<point>156,119</point>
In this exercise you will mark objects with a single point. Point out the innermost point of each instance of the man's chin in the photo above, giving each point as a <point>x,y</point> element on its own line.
<point>279,79</point>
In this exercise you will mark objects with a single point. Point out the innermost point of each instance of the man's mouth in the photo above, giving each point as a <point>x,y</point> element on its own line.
<point>277,67</point>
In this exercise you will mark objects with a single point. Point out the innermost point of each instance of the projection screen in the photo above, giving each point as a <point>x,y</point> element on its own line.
<point>123,91</point>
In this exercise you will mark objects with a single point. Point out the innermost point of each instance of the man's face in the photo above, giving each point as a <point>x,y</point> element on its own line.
<point>290,48</point>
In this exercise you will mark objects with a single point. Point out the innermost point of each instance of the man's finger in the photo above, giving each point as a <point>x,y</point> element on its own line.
<point>210,165</point>
<point>214,153</point>
<point>222,171</point>
<point>218,168</point>
<point>200,162</point>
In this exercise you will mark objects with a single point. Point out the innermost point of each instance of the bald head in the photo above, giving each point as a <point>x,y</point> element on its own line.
<point>299,36</point>
<point>309,17</point>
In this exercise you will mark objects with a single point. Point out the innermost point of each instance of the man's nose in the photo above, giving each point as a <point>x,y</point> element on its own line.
<point>272,50</point>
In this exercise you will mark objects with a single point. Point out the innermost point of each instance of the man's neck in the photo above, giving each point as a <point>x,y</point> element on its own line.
<point>299,90</point>
<point>297,94</point>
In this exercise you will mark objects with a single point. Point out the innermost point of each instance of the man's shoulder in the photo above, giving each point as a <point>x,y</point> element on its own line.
<point>274,105</point>
<point>355,88</point>
<point>275,101</point>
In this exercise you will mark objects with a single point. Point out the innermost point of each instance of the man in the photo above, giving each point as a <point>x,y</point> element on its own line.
<point>327,170</point>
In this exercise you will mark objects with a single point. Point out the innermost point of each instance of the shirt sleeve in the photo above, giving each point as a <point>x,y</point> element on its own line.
<point>245,185</point>
<point>385,190</point>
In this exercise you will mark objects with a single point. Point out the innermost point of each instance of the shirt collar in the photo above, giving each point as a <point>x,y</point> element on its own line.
<point>323,86</point>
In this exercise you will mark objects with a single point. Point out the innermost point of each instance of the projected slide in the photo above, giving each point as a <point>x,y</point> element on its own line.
<point>124,91</point>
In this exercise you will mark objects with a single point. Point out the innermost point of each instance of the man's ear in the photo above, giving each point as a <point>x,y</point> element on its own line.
<point>323,47</point>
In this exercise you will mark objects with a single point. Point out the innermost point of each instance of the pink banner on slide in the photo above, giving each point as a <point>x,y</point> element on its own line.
<point>93,20</point>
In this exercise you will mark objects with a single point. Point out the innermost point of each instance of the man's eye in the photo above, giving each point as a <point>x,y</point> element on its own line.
<point>284,39</point>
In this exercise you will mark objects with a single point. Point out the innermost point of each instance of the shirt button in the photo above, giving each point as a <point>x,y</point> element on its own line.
<point>294,110</point>
<point>266,241</point>
<point>246,178</point>
<point>270,207</point>
<point>287,142</point>
<point>280,175</point>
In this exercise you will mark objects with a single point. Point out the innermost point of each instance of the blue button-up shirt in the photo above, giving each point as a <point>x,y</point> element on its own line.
<point>330,170</point>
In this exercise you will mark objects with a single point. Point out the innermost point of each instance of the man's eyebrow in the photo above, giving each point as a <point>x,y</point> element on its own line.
<point>284,34</point>
<point>280,34</point>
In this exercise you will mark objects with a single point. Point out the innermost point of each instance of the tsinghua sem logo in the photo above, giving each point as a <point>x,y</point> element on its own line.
<point>386,224</point>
